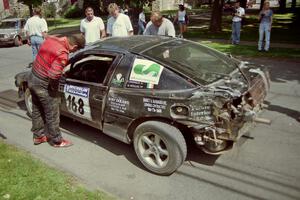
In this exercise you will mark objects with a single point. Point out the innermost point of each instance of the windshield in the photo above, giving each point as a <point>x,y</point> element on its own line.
<point>8,25</point>
<point>198,62</point>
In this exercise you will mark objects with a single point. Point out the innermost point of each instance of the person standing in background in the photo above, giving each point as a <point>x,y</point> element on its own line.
<point>182,19</point>
<point>36,30</point>
<point>238,15</point>
<point>141,22</point>
<point>119,24</point>
<point>265,18</point>
<point>159,25</point>
<point>92,27</point>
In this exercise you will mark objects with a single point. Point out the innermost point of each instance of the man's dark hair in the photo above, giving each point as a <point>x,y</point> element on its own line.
<point>77,40</point>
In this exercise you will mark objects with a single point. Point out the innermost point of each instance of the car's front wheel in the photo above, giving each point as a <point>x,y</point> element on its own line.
<point>160,147</point>
<point>28,102</point>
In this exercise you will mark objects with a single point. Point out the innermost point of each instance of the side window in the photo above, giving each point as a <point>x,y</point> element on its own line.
<point>91,69</point>
<point>148,74</point>
<point>171,81</point>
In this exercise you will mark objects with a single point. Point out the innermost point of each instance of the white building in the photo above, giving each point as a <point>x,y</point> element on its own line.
<point>160,5</point>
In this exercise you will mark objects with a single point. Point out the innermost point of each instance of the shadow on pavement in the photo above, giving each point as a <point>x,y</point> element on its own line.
<point>119,148</point>
<point>289,112</point>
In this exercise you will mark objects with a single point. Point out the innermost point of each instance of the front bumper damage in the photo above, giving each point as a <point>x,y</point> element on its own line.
<point>229,112</point>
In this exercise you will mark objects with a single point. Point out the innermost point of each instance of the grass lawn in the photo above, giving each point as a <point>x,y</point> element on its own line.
<point>23,177</point>
<point>284,29</point>
<point>57,23</point>
<point>251,51</point>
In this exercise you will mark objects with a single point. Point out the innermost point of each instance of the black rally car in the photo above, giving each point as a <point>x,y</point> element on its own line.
<point>159,92</point>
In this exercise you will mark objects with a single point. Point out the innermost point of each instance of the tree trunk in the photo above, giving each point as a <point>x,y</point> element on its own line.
<point>261,4</point>
<point>293,7</point>
<point>282,6</point>
<point>216,16</point>
<point>30,10</point>
<point>243,3</point>
<point>95,4</point>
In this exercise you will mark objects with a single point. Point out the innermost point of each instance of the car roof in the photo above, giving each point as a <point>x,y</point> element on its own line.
<point>135,44</point>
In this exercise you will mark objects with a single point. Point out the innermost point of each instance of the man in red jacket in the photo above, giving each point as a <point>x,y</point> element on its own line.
<point>48,66</point>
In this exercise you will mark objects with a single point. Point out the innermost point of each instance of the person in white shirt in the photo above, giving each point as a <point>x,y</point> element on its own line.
<point>159,25</point>
<point>238,15</point>
<point>141,22</point>
<point>182,19</point>
<point>36,30</point>
<point>118,25</point>
<point>92,27</point>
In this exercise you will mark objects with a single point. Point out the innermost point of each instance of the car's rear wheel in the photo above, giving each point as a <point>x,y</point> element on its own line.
<point>18,41</point>
<point>28,102</point>
<point>160,147</point>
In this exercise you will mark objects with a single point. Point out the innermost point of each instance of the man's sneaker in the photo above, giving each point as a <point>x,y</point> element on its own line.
<point>63,143</point>
<point>39,140</point>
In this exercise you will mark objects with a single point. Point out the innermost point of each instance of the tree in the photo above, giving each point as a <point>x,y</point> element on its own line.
<point>282,6</point>
<point>216,16</point>
<point>293,6</point>
<point>95,4</point>
<point>31,4</point>
<point>261,4</point>
<point>243,3</point>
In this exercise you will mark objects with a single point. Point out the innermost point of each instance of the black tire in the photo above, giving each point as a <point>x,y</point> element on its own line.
<point>28,102</point>
<point>160,147</point>
<point>17,41</point>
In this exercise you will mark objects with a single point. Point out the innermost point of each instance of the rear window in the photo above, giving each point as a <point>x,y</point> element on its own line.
<point>198,62</point>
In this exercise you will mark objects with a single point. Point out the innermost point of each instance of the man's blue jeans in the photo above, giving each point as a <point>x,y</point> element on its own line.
<point>236,31</point>
<point>264,28</point>
<point>36,42</point>
<point>45,110</point>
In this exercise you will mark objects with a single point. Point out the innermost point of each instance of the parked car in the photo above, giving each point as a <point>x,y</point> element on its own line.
<point>12,31</point>
<point>159,92</point>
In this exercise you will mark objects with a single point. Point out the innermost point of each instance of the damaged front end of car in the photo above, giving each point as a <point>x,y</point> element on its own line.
<point>219,114</point>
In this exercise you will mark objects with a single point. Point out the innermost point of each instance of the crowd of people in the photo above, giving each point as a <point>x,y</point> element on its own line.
<point>50,54</point>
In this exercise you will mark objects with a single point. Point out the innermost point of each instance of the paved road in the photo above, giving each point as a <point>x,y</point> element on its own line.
<point>266,166</point>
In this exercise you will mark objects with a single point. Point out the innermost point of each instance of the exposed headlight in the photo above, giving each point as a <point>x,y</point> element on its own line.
<point>179,110</point>
<point>6,36</point>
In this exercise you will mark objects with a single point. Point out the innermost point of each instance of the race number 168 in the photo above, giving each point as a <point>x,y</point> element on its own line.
<point>75,105</point>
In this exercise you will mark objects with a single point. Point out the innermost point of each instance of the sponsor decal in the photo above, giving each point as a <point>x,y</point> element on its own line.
<point>118,104</point>
<point>154,105</point>
<point>76,90</point>
<point>77,100</point>
<point>146,71</point>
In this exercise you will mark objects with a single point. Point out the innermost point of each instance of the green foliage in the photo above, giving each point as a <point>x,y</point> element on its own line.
<point>74,12</point>
<point>31,2</point>
<point>49,10</point>
<point>22,177</point>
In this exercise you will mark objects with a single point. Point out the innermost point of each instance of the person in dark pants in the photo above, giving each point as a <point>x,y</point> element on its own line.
<point>43,82</point>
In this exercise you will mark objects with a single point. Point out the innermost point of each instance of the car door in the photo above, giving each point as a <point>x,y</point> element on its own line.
<point>85,89</point>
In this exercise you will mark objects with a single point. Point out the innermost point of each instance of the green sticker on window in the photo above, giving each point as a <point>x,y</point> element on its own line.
<point>146,71</point>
